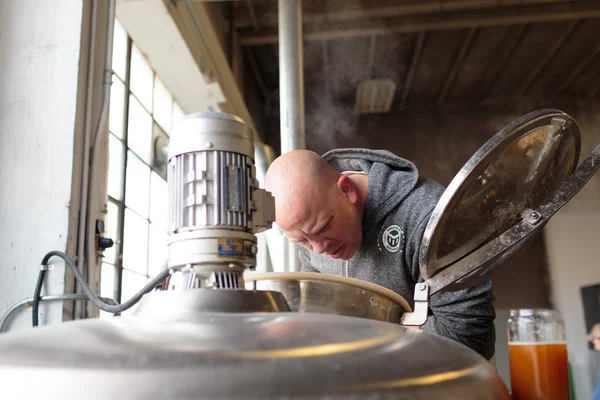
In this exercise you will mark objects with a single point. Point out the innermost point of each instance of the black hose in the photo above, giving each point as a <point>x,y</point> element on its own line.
<point>36,296</point>
<point>86,289</point>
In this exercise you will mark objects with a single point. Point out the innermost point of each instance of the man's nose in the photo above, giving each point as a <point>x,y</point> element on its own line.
<point>319,246</point>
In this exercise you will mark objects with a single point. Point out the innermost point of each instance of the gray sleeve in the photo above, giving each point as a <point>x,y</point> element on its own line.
<point>305,259</point>
<point>466,316</point>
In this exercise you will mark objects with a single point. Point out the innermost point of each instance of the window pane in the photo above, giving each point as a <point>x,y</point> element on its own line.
<point>107,285</point>
<point>112,229</point>
<point>107,281</point>
<point>158,250</point>
<point>142,78</point>
<point>178,114</point>
<point>163,105</point>
<point>139,131</point>
<point>119,57</point>
<point>135,243</point>
<point>160,150</point>
<point>137,191</point>
<point>117,108</point>
<point>158,201</point>
<point>116,152</point>
<point>131,284</point>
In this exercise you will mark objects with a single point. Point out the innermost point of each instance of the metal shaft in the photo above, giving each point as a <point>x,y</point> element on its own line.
<point>291,76</point>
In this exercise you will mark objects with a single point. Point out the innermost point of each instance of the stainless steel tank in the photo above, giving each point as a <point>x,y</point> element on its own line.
<point>209,355</point>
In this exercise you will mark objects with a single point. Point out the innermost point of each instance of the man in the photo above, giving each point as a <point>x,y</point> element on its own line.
<point>594,337</point>
<point>362,213</point>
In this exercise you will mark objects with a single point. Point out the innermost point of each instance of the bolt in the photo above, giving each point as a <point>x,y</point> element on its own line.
<point>209,145</point>
<point>535,215</point>
<point>421,286</point>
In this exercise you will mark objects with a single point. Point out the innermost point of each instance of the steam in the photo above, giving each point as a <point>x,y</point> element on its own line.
<point>333,70</point>
<point>328,120</point>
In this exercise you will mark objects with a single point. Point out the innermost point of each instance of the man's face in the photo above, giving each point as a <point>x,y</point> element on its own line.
<point>326,223</point>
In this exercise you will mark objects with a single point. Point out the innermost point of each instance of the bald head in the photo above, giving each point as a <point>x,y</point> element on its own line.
<point>300,181</point>
<point>298,172</point>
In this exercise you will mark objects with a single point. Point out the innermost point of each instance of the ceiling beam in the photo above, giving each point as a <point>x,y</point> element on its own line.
<point>260,82</point>
<point>325,54</point>
<point>462,53</point>
<point>371,10</point>
<point>583,64</point>
<point>507,52</point>
<point>594,91</point>
<point>541,65</point>
<point>414,65</point>
<point>252,14</point>
<point>372,45</point>
<point>497,17</point>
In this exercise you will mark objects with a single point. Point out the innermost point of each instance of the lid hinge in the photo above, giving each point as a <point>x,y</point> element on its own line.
<point>419,316</point>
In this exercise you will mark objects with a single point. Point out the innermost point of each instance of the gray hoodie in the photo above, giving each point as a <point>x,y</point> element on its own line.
<point>397,210</point>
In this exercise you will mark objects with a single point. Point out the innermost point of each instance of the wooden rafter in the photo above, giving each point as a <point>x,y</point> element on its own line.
<point>583,64</point>
<point>541,65</point>
<point>505,56</point>
<point>325,55</point>
<point>252,14</point>
<point>414,65</point>
<point>256,72</point>
<point>456,67</point>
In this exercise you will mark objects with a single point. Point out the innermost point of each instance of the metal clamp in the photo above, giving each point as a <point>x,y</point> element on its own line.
<point>48,267</point>
<point>419,316</point>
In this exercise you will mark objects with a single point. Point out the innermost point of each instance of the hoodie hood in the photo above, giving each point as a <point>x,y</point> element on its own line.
<point>391,179</point>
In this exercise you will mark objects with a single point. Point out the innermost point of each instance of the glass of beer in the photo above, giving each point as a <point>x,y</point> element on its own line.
<point>537,351</point>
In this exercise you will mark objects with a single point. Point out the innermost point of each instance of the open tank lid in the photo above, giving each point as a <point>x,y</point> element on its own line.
<point>518,169</point>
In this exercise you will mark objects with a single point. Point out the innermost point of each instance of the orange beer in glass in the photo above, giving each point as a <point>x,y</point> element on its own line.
<point>537,351</point>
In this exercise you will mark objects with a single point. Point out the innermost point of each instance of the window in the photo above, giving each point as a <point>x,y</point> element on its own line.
<point>142,113</point>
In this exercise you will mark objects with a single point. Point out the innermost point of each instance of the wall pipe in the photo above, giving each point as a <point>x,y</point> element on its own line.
<point>100,132</point>
<point>81,229</point>
<point>291,92</point>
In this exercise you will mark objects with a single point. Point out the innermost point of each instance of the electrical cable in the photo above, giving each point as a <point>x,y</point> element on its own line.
<point>51,297</point>
<point>86,289</point>
<point>36,295</point>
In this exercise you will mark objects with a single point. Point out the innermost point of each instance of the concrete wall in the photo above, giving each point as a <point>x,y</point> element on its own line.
<point>572,239</point>
<point>39,60</point>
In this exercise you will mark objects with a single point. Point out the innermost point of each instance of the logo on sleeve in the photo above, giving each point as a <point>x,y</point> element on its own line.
<point>392,238</point>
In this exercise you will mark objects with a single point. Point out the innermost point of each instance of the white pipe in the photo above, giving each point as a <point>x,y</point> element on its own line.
<point>291,91</point>
<point>291,76</point>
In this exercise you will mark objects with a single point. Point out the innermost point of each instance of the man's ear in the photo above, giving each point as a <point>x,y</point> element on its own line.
<point>348,187</point>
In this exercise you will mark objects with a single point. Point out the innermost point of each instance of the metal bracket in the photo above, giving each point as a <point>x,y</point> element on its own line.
<point>532,217</point>
<point>419,316</point>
